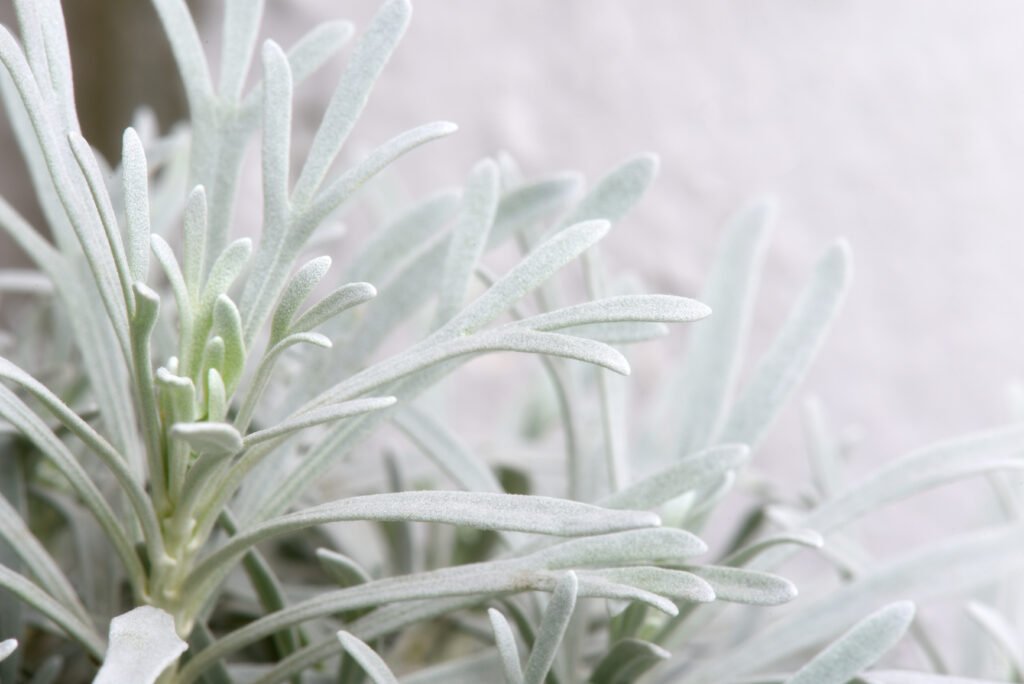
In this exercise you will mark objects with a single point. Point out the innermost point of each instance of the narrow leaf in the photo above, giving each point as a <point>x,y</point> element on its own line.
<point>345,297</point>
<point>241,25</point>
<point>368,59</point>
<point>524,206</point>
<point>32,595</point>
<point>384,251</point>
<point>806,538</point>
<point>136,203</point>
<point>298,289</point>
<point>752,587</point>
<point>696,397</point>
<point>194,239</point>
<point>367,658</point>
<point>535,514</point>
<point>786,362</point>
<point>617,192</point>
<point>345,186</point>
<point>954,565</point>
<point>695,472</point>
<point>552,629</point>
<point>319,416</point>
<point>39,563</point>
<point>652,308</point>
<point>859,648</point>
<point>505,640</point>
<point>227,324</point>
<point>537,267</point>
<point>678,585</point>
<point>634,547</point>
<point>342,570</point>
<point>469,237</point>
<point>921,470</point>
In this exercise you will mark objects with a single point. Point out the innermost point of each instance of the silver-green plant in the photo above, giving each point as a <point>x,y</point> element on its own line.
<point>142,480</point>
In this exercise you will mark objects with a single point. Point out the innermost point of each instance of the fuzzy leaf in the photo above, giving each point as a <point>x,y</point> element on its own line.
<point>752,587</point>
<point>326,414</point>
<point>51,447</point>
<point>697,393</point>
<point>227,324</point>
<point>225,269</point>
<point>696,471</point>
<point>786,362</point>
<point>241,25</point>
<point>32,595</point>
<point>345,186</point>
<point>473,582</point>
<point>859,648</point>
<point>655,308</point>
<point>367,658</point>
<point>537,267</point>
<point>194,239</point>
<point>806,538</point>
<point>468,239</point>
<point>179,283</point>
<point>213,439</point>
<point>552,629</point>
<point>143,643</point>
<point>216,397</point>
<point>342,570</point>
<point>678,585</point>
<point>505,640</point>
<point>277,124</point>
<point>299,288</point>
<point>367,61</point>
<point>954,565</point>
<point>385,250</point>
<point>617,192</point>
<point>535,514</point>
<point>188,50</point>
<point>37,560</point>
<point>136,203</point>
<point>922,470</point>
<point>345,297</point>
<point>634,547</point>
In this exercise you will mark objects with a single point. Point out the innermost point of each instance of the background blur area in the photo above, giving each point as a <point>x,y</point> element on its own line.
<point>896,125</point>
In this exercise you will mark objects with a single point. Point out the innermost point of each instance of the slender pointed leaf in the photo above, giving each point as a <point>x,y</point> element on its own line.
<point>786,362</point>
<point>505,640</point>
<point>371,663</point>
<point>552,630</point>
<point>859,648</point>
<point>469,237</point>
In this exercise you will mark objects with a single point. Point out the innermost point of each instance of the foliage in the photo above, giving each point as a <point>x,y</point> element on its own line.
<point>151,483</point>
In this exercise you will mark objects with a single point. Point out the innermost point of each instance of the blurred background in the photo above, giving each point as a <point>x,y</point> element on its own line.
<point>895,125</point>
